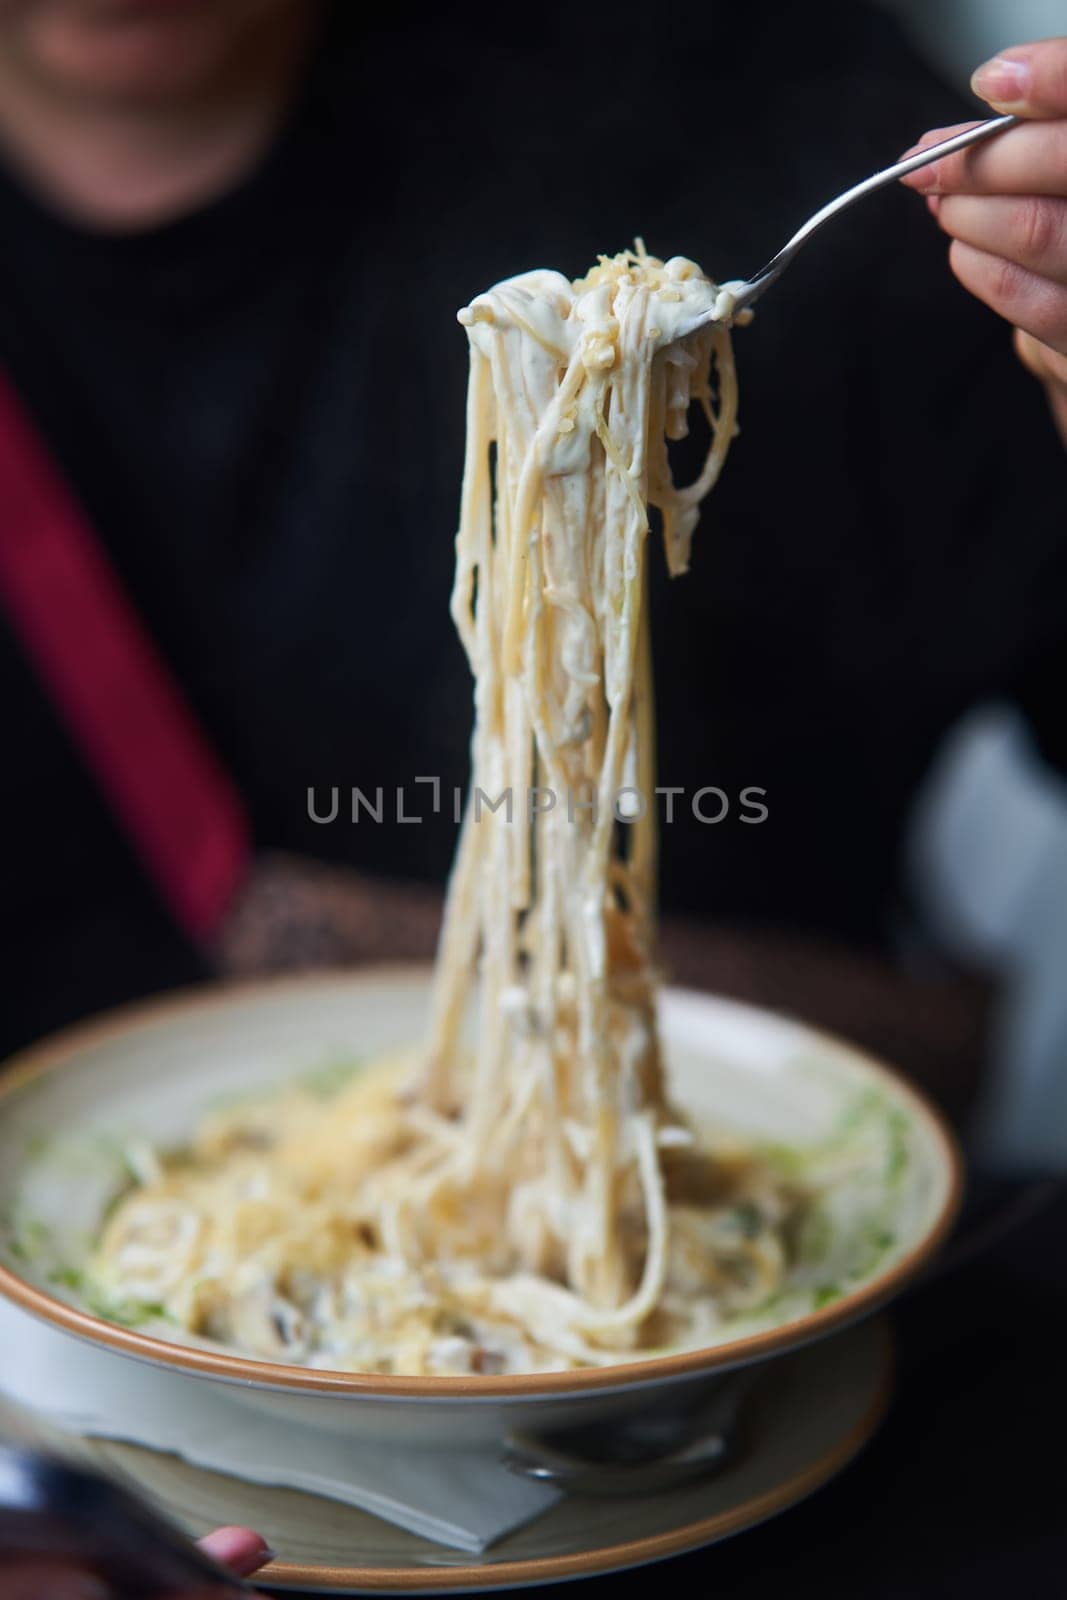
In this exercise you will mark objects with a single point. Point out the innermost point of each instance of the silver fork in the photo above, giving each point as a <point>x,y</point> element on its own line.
<point>742,292</point>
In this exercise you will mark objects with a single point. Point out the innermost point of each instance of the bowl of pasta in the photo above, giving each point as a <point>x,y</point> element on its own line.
<point>237,1186</point>
<point>529,1192</point>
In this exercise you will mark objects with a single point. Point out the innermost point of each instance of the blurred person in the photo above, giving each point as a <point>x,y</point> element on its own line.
<point>235,237</point>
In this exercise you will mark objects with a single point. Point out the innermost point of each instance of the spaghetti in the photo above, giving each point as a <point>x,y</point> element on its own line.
<point>527,1197</point>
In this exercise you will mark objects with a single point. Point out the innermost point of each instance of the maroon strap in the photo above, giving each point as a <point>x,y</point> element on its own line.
<point>116,696</point>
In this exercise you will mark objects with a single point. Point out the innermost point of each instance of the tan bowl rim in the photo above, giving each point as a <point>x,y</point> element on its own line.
<point>55,1051</point>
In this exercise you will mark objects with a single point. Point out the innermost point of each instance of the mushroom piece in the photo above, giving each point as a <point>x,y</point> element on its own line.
<point>264,1322</point>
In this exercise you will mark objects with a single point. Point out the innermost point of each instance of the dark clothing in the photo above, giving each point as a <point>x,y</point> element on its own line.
<point>261,408</point>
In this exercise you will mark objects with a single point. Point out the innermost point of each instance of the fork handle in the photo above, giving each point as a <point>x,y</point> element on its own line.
<point>745,293</point>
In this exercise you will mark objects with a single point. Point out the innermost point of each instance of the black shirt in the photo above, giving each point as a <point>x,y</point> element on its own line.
<point>261,408</point>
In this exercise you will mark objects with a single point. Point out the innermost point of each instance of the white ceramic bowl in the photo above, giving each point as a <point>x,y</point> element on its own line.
<point>69,1106</point>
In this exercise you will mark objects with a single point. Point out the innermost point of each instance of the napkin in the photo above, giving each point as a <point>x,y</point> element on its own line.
<point>463,1499</point>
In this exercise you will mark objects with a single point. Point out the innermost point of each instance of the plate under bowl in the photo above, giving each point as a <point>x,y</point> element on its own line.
<point>809,1417</point>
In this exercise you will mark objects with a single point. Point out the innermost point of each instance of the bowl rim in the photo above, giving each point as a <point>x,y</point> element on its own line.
<point>56,1050</point>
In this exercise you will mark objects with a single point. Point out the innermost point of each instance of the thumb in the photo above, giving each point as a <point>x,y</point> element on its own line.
<point>1028,79</point>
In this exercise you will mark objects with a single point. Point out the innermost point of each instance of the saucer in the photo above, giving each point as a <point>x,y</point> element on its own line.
<point>806,1419</point>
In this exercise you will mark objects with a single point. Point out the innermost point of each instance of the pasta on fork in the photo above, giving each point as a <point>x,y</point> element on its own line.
<point>523,1195</point>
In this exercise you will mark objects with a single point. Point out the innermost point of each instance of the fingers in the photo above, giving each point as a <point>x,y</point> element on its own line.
<point>1029,159</point>
<point>1045,363</point>
<point>243,1551</point>
<point>1004,204</point>
<point>1030,230</point>
<point>1029,79</point>
<point>1051,367</point>
<point>1030,301</point>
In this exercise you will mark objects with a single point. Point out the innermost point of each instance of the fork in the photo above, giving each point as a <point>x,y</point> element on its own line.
<point>743,292</point>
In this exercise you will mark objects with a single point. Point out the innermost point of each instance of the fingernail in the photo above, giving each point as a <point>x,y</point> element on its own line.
<point>933,204</point>
<point>263,1555</point>
<point>1004,79</point>
<point>245,1566</point>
